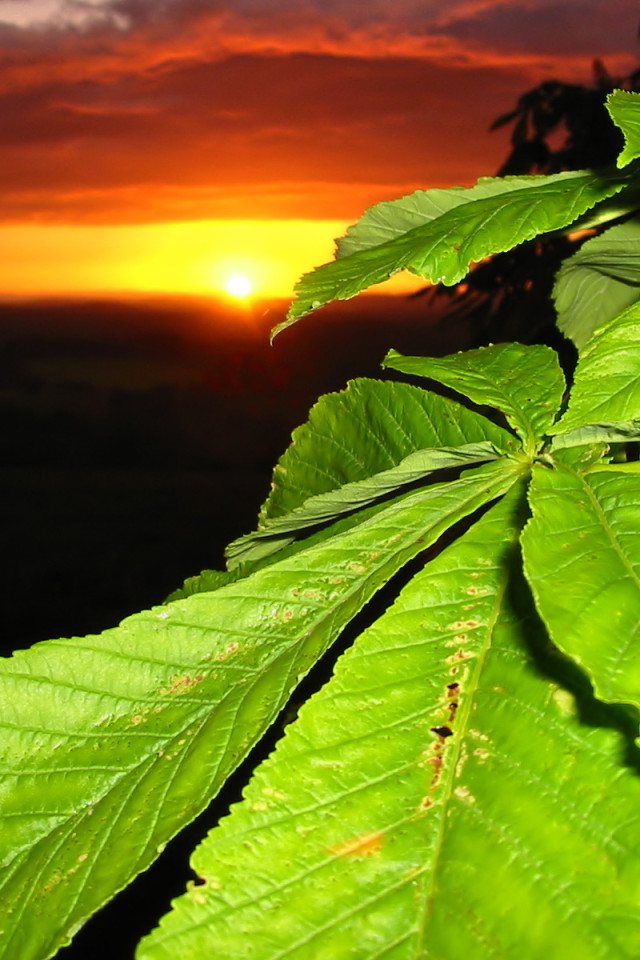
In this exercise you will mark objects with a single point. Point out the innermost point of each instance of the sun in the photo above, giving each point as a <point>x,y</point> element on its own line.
<point>238,285</point>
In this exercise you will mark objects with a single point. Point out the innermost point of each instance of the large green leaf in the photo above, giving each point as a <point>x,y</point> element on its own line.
<point>351,436</point>
<point>438,234</point>
<point>439,798</point>
<point>624,110</point>
<point>599,281</point>
<point>110,744</point>
<point>366,429</point>
<point>606,386</point>
<point>277,533</point>
<point>360,445</point>
<point>524,382</point>
<point>582,558</point>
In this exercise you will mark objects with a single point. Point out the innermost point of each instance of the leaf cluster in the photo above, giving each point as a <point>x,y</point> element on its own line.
<point>554,127</point>
<point>467,780</point>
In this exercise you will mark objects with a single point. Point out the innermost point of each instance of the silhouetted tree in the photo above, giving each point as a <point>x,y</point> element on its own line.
<point>555,126</point>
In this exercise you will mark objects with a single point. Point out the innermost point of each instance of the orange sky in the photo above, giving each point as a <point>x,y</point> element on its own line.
<point>154,144</point>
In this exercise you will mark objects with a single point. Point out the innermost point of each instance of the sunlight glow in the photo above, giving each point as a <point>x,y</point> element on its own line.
<point>238,285</point>
<point>197,258</point>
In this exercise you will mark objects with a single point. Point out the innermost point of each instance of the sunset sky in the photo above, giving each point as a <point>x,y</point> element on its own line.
<point>163,145</point>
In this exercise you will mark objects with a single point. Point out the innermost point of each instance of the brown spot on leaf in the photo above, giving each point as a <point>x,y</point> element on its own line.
<point>53,882</point>
<point>230,649</point>
<point>458,655</point>
<point>366,845</point>
<point>178,685</point>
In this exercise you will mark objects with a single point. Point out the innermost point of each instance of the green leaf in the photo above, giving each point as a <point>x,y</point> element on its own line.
<point>204,582</point>
<point>582,558</point>
<point>621,205</point>
<point>110,744</point>
<point>368,428</point>
<point>351,436</point>
<point>371,833</point>
<point>624,110</point>
<point>599,281</point>
<point>606,386</point>
<point>623,432</point>
<point>438,234</point>
<point>524,382</point>
<point>274,534</point>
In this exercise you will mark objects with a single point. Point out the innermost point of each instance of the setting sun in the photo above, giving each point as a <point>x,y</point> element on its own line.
<point>210,257</point>
<point>238,285</point>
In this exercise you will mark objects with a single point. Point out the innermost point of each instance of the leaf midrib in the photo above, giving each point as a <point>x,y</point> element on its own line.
<point>461,726</point>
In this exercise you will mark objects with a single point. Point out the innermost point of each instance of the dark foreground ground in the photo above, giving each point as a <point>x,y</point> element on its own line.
<point>136,440</point>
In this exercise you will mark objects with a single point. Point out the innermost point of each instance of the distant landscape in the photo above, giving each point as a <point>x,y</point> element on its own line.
<point>137,437</point>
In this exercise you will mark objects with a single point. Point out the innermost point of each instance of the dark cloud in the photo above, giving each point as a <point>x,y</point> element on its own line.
<point>151,109</point>
<point>567,30</point>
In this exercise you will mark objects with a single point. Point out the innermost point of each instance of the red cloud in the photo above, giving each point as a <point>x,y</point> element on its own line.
<point>159,109</point>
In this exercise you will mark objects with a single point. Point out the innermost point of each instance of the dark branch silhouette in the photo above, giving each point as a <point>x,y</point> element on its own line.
<point>555,126</point>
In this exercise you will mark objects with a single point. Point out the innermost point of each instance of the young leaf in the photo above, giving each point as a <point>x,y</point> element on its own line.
<point>440,797</point>
<point>606,386</point>
<point>599,281</point>
<point>437,234</point>
<point>624,110</point>
<point>366,429</point>
<point>274,534</point>
<point>581,551</point>
<point>524,382</point>
<point>111,744</point>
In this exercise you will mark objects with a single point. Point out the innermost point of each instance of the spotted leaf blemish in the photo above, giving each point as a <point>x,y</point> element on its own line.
<point>228,651</point>
<point>463,793</point>
<point>477,734</point>
<point>458,655</point>
<point>458,639</point>
<point>366,845</point>
<point>565,702</point>
<point>443,731</point>
<point>179,685</point>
